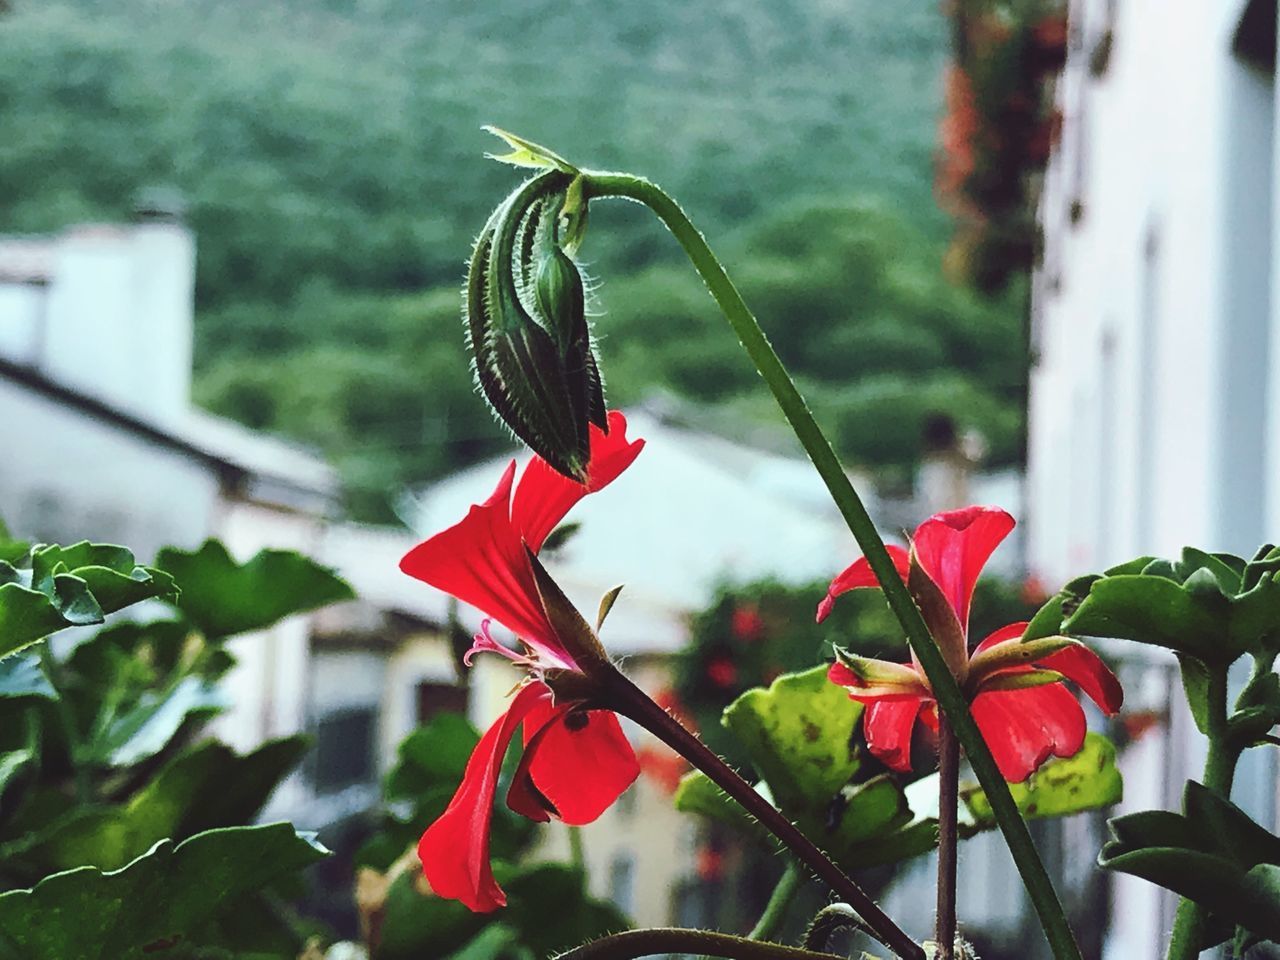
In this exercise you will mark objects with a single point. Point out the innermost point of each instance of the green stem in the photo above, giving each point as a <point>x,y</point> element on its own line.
<point>577,855</point>
<point>622,696</point>
<point>67,721</point>
<point>662,940</point>
<point>948,838</point>
<point>775,912</point>
<point>1219,773</point>
<point>947,692</point>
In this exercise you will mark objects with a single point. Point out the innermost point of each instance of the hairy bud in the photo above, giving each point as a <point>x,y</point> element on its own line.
<point>527,326</point>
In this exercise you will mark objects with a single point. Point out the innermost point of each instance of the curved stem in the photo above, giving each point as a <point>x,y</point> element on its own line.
<point>1053,918</point>
<point>624,697</point>
<point>948,838</point>
<point>663,940</point>
<point>829,921</point>
<point>775,912</point>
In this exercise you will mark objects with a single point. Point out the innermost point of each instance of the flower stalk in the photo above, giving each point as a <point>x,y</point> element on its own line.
<point>775,911</point>
<point>948,838</point>
<point>659,941</point>
<point>946,690</point>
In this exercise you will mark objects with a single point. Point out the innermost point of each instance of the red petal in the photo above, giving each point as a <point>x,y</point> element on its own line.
<point>581,768</point>
<point>544,495</point>
<point>1085,668</point>
<point>455,849</point>
<point>859,574</point>
<point>1012,632</point>
<point>887,726</point>
<point>523,796</point>
<point>1024,728</point>
<point>842,676</point>
<point>481,561</point>
<point>953,547</point>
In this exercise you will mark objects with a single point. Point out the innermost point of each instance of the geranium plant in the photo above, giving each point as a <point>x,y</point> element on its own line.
<point>1001,704</point>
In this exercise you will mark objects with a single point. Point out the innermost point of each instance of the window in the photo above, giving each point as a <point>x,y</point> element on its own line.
<point>622,881</point>
<point>344,753</point>
<point>434,698</point>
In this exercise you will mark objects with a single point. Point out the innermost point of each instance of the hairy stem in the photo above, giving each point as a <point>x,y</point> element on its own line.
<point>775,912</point>
<point>664,940</point>
<point>950,698</point>
<point>948,837</point>
<point>1219,773</point>
<point>829,921</point>
<point>626,698</point>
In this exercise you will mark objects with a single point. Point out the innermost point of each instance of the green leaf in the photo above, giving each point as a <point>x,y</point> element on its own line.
<point>1213,854</point>
<point>696,794</point>
<point>432,756</point>
<point>419,925</point>
<point>1197,679</point>
<point>1225,569</point>
<point>557,890</point>
<point>498,941</point>
<point>207,787</point>
<point>526,153</point>
<point>1151,609</point>
<point>224,598</point>
<point>1255,615</point>
<point>1047,621</point>
<point>11,550</point>
<point>147,727</point>
<point>210,785</point>
<point>1087,781</point>
<point>548,911</point>
<point>798,733</point>
<point>168,893</point>
<point>51,588</point>
<point>22,677</point>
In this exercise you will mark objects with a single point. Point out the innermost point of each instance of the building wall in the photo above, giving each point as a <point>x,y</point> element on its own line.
<point>1154,417</point>
<point>113,318</point>
<point>65,476</point>
<point>1150,309</point>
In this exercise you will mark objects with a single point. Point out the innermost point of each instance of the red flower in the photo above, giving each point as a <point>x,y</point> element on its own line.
<point>1024,712</point>
<point>722,672</point>
<point>746,624</point>
<point>576,762</point>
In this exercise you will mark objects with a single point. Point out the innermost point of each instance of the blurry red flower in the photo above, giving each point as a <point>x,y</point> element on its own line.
<point>722,672</point>
<point>576,762</point>
<point>1024,712</point>
<point>746,624</point>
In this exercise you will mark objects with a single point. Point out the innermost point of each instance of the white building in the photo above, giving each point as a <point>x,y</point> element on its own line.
<point>101,442</point>
<point>1155,393</point>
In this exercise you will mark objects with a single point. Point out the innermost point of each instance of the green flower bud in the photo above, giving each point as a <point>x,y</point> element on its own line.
<point>526,318</point>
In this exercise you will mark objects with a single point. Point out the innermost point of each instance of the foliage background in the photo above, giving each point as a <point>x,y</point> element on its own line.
<point>329,153</point>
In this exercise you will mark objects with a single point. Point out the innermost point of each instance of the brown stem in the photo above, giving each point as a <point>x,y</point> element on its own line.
<point>948,811</point>
<point>626,698</point>
<point>665,940</point>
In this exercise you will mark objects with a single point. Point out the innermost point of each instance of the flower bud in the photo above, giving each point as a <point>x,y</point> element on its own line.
<point>526,317</point>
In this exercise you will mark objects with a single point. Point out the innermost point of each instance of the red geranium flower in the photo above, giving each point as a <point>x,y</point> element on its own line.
<point>576,761</point>
<point>1024,712</point>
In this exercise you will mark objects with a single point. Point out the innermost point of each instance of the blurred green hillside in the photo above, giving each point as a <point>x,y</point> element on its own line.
<point>331,154</point>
